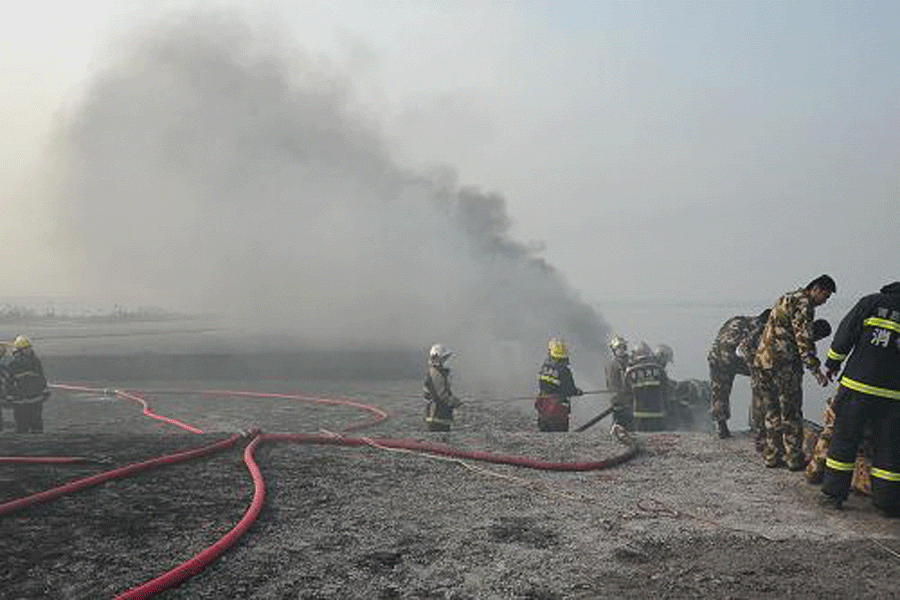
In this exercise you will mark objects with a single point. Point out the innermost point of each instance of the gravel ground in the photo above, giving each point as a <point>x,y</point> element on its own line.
<point>690,516</point>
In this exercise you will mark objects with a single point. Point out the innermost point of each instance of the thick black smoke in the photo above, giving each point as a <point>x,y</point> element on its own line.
<point>213,169</point>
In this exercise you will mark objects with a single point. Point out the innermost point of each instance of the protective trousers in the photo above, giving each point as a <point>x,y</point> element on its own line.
<point>853,411</point>
<point>781,393</point>
<point>29,417</point>
<point>721,379</point>
<point>623,410</point>
<point>438,416</point>
<point>553,412</point>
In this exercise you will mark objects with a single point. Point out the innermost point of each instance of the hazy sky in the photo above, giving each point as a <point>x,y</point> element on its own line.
<point>703,151</point>
<point>686,150</point>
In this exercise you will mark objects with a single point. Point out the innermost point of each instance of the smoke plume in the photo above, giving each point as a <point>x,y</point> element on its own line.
<point>214,168</point>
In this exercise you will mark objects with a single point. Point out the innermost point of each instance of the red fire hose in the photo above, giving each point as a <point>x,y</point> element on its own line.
<point>520,461</point>
<point>119,473</point>
<point>204,558</point>
<point>199,562</point>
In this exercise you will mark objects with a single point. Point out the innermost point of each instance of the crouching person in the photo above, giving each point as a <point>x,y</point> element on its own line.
<point>436,391</point>
<point>28,387</point>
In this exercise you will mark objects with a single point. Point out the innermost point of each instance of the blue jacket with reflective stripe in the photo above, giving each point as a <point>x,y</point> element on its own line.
<point>870,335</point>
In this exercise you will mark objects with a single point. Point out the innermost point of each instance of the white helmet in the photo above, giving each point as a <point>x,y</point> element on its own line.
<point>21,342</point>
<point>641,351</point>
<point>664,354</point>
<point>438,354</point>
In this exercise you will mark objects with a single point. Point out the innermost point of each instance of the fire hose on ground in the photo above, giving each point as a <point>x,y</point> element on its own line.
<point>200,561</point>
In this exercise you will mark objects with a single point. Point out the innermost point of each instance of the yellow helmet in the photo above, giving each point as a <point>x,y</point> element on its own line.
<point>21,342</point>
<point>557,349</point>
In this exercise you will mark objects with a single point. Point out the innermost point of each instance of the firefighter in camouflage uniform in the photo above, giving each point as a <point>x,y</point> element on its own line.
<point>785,347</point>
<point>727,358</point>
<point>821,330</point>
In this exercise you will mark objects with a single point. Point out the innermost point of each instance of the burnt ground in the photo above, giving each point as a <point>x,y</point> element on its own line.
<point>690,516</point>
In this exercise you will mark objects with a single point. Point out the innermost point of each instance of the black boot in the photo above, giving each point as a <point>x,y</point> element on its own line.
<point>829,501</point>
<point>722,430</point>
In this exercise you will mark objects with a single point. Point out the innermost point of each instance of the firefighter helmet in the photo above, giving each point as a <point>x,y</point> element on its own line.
<point>21,342</point>
<point>556,348</point>
<point>619,346</point>
<point>664,354</point>
<point>641,352</point>
<point>438,354</point>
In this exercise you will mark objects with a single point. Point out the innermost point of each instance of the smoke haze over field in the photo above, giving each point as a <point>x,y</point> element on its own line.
<point>214,167</point>
<point>679,163</point>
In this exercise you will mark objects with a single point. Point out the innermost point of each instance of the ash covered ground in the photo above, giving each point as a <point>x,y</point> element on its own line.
<point>690,516</point>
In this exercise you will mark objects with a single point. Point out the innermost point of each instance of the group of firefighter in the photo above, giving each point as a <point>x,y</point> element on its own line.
<point>23,386</point>
<point>859,444</point>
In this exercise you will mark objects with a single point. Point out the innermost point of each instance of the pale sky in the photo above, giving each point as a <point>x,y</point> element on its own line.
<point>661,150</point>
<point>706,156</point>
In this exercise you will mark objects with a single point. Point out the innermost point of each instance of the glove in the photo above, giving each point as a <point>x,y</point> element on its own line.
<point>579,392</point>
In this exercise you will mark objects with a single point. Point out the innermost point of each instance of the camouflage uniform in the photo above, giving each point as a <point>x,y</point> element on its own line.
<point>724,363</point>
<point>785,346</point>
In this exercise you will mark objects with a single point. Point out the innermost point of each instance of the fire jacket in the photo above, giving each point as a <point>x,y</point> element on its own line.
<point>870,335</point>
<point>555,378</point>
<point>437,387</point>
<point>27,374</point>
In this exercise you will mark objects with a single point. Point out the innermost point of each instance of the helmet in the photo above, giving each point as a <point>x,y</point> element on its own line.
<point>556,348</point>
<point>21,342</point>
<point>619,346</point>
<point>641,352</point>
<point>664,354</point>
<point>438,354</point>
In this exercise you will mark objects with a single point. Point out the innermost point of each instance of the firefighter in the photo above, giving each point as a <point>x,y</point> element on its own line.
<point>785,347</point>
<point>664,355</point>
<point>820,440</point>
<point>440,401</point>
<point>647,386</point>
<point>868,395</point>
<point>28,387</point>
<point>615,383</point>
<point>555,385</point>
<point>738,334</point>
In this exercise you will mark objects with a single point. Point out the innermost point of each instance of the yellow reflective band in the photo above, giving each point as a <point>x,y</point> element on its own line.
<point>839,466</point>
<point>438,420</point>
<point>883,323</point>
<point>548,378</point>
<point>646,384</point>
<point>649,415</point>
<point>882,474</point>
<point>835,356</point>
<point>870,389</point>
